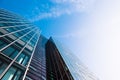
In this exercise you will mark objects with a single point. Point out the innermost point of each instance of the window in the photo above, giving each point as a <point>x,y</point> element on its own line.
<point>23,59</point>
<point>8,51</point>
<point>17,34</point>
<point>2,66</point>
<point>11,52</point>
<point>11,29</point>
<point>2,44</point>
<point>32,43</point>
<point>21,33</point>
<point>2,24</point>
<point>13,74</point>
<point>21,27</point>
<point>28,78</point>
<point>13,55</point>
<point>25,39</point>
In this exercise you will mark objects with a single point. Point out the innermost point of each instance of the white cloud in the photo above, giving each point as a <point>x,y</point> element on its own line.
<point>60,7</point>
<point>74,34</point>
<point>103,43</point>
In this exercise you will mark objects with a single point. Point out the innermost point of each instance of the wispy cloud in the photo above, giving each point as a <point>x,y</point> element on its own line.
<point>83,32</point>
<point>57,8</point>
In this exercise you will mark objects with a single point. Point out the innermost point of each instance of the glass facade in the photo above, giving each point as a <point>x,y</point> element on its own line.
<point>76,68</point>
<point>23,59</point>
<point>3,66</point>
<point>25,54</point>
<point>18,40</point>
<point>56,67</point>
<point>37,69</point>
<point>13,74</point>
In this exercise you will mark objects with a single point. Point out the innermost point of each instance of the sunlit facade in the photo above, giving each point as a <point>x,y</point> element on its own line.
<point>25,54</point>
<point>64,65</point>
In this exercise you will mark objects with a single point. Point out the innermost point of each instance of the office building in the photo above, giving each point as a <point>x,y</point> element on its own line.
<point>25,54</point>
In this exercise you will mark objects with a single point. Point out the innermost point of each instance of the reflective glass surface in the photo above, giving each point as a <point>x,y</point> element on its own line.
<point>23,59</point>
<point>3,66</point>
<point>2,24</point>
<point>78,70</point>
<point>10,51</point>
<point>13,74</point>
<point>2,44</point>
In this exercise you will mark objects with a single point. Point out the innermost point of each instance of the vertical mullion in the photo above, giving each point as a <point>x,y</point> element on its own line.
<point>10,22</point>
<point>15,58</point>
<point>14,26</point>
<point>16,40</point>
<point>31,58</point>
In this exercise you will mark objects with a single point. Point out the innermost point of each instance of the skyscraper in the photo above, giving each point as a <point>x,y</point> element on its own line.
<point>25,54</point>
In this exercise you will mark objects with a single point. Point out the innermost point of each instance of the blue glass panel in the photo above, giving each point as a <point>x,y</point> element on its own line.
<point>9,75</point>
<point>14,54</point>
<point>10,29</point>
<point>2,44</point>
<point>20,58</point>
<point>2,24</point>
<point>12,74</point>
<point>11,52</point>
<point>8,51</point>
<point>3,66</point>
<point>23,59</point>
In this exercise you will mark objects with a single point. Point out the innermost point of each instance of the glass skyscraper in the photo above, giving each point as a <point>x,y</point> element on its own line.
<point>25,54</point>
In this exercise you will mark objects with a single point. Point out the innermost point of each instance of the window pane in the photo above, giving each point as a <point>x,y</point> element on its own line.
<point>10,29</point>
<point>25,39</point>
<point>11,52</point>
<point>17,75</point>
<point>10,73</point>
<point>25,60</point>
<point>22,59</point>
<point>3,24</point>
<point>13,55</point>
<point>2,44</point>
<point>13,74</point>
<point>8,51</point>
<point>2,66</point>
<point>17,34</point>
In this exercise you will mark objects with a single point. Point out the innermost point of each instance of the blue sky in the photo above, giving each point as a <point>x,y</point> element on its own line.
<point>90,28</point>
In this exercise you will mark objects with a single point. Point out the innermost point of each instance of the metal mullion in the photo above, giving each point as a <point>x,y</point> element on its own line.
<point>23,58</point>
<point>14,32</point>
<point>16,57</point>
<point>12,22</point>
<point>27,68</point>
<point>12,53</point>
<point>15,74</point>
<point>11,14</point>
<point>14,26</point>
<point>16,40</point>
<point>5,13</point>
<point>9,18</point>
<point>15,21</point>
